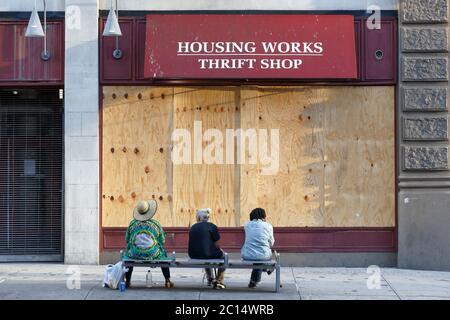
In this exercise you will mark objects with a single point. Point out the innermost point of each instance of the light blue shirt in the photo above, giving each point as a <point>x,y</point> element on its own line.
<point>258,241</point>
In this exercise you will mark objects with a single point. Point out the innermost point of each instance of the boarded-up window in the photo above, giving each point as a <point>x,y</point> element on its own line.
<point>336,155</point>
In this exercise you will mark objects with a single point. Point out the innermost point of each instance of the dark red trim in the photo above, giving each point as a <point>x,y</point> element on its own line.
<point>39,73</point>
<point>136,63</point>
<point>396,159</point>
<point>288,239</point>
<point>100,167</point>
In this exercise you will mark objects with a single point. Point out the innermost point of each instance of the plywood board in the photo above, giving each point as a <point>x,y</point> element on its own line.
<point>336,155</point>
<point>200,185</point>
<point>137,124</point>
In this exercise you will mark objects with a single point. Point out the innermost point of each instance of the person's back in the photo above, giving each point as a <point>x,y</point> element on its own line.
<point>202,238</point>
<point>258,244</point>
<point>145,240</point>
<point>204,244</point>
<point>258,240</point>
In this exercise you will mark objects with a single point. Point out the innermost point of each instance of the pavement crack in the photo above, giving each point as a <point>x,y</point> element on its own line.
<point>296,284</point>
<point>89,292</point>
<point>390,286</point>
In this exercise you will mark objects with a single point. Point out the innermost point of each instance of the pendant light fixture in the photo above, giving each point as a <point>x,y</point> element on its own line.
<point>112,29</point>
<point>34,29</point>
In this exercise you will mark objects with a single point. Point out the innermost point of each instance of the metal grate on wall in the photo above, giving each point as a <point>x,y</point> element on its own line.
<point>31,172</point>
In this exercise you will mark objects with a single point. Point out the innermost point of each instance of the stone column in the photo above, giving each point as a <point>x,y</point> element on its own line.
<point>81,132</point>
<point>422,115</point>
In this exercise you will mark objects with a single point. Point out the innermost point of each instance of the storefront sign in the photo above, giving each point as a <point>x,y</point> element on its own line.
<point>253,46</point>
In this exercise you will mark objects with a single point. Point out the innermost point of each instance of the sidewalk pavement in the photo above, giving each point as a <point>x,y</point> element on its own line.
<point>50,281</point>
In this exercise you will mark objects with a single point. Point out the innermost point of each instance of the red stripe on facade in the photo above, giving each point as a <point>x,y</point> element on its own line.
<point>287,239</point>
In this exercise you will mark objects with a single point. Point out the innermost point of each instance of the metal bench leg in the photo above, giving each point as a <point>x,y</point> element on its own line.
<point>278,278</point>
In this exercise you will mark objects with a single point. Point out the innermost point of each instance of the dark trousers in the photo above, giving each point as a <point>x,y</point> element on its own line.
<point>256,275</point>
<point>165,271</point>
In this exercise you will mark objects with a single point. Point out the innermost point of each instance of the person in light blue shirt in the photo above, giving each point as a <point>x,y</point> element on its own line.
<point>259,241</point>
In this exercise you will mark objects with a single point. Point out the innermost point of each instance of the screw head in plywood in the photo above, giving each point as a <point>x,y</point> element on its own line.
<point>121,199</point>
<point>125,95</point>
<point>133,195</point>
<point>112,150</point>
<point>136,150</point>
<point>124,149</point>
<point>114,96</point>
<point>147,169</point>
<point>139,96</point>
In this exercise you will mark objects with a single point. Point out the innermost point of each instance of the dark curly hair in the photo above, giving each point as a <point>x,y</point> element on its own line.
<point>258,213</point>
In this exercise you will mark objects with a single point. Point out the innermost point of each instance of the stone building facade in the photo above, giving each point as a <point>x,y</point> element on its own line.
<point>424,177</point>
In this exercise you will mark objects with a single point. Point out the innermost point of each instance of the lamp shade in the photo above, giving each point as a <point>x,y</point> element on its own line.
<point>34,28</point>
<point>112,27</point>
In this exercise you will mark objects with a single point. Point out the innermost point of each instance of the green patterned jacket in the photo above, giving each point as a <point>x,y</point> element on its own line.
<point>145,240</point>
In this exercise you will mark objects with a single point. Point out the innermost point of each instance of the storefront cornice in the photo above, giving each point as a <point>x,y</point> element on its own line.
<point>250,5</point>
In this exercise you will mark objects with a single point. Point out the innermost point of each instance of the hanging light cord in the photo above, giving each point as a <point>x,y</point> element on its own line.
<point>45,28</point>
<point>117,14</point>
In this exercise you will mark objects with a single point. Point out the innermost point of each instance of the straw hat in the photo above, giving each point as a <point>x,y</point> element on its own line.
<point>145,210</point>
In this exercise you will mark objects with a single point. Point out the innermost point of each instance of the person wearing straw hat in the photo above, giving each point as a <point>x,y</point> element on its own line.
<point>145,238</point>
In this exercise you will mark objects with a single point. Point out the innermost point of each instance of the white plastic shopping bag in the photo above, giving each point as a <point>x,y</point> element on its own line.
<point>113,275</point>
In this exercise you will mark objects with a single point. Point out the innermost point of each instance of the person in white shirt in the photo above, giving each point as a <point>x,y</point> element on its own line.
<point>258,244</point>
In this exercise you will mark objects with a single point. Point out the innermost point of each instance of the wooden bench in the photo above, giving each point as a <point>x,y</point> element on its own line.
<point>173,262</point>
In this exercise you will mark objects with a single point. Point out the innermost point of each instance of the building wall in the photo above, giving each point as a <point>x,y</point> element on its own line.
<point>81,135</point>
<point>424,176</point>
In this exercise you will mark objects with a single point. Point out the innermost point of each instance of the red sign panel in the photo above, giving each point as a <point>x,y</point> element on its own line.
<point>253,46</point>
